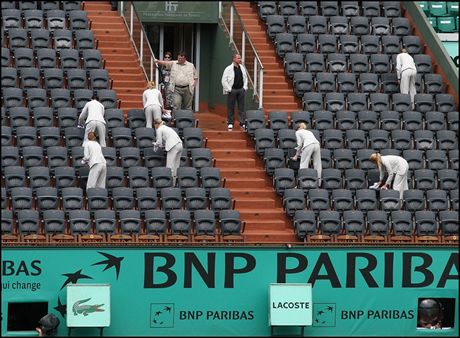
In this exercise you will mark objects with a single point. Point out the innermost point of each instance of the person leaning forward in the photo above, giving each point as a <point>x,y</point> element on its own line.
<point>183,80</point>
<point>92,115</point>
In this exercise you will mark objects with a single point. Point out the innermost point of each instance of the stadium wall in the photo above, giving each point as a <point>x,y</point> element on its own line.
<point>217,291</point>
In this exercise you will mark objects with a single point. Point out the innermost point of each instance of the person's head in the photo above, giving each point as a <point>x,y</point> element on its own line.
<point>301,125</point>
<point>157,123</point>
<point>403,50</point>
<point>168,56</point>
<point>94,96</point>
<point>92,136</point>
<point>237,59</point>
<point>151,85</point>
<point>429,313</point>
<point>181,57</point>
<point>48,324</point>
<point>377,159</point>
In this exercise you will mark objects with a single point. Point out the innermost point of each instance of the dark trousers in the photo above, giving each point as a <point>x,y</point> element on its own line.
<point>236,96</point>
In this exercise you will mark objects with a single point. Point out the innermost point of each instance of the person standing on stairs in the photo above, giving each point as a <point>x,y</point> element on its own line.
<point>168,138</point>
<point>153,104</point>
<point>92,115</point>
<point>235,85</point>
<point>308,146</point>
<point>166,75</point>
<point>94,157</point>
<point>407,74</point>
<point>183,80</point>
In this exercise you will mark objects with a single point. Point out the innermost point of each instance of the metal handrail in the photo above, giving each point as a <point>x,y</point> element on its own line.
<point>141,46</point>
<point>257,76</point>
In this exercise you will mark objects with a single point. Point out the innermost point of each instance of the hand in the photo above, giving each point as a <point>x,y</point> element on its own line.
<point>83,162</point>
<point>384,187</point>
<point>294,158</point>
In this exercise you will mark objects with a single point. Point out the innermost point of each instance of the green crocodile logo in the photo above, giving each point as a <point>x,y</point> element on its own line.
<point>85,309</point>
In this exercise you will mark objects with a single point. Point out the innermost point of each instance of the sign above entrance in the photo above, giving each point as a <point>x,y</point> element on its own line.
<point>178,11</point>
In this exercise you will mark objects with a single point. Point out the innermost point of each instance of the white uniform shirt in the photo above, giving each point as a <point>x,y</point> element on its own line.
<point>152,97</point>
<point>394,165</point>
<point>167,136</point>
<point>404,61</point>
<point>228,77</point>
<point>93,153</point>
<point>304,138</point>
<point>92,111</point>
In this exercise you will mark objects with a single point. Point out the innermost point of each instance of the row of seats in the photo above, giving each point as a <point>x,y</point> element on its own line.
<point>439,8</point>
<point>335,101</point>
<point>55,78</point>
<point>61,39</point>
<point>65,59</point>
<point>362,82</point>
<point>56,98</point>
<point>120,198</point>
<point>346,44</point>
<point>367,200</point>
<point>338,63</point>
<point>51,19</point>
<point>319,120</point>
<point>342,158</point>
<point>153,225</point>
<point>329,8</point>
<point>376,226</point>
<point>67,117</point>
<point>318,25</point>
<point>67,6</point>
<point>356,179</point>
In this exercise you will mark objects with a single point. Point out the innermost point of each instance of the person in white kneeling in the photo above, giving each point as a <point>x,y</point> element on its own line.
<point>93,115</point>
<point>95,159</point>
<point>168,138</point>
<point>308,146</point>
<point>397,168</point>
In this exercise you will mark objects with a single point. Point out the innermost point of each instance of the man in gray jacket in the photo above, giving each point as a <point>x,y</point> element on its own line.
<point>235,85</point>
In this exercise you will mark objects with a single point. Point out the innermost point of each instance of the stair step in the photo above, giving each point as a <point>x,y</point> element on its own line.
<point>224,134</point>
<point>227,144</point>
<point>253,193</point>
<point>262,226</point>
<point>248,183</point>
<point>264,214</point>
<point>242,173</point>
<point>262,203</point>
<point>234,154</point>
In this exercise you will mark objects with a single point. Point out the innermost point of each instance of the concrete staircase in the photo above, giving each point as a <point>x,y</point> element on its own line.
<point>121,60</point>
<point>278,90</point>
<point>259,205</point>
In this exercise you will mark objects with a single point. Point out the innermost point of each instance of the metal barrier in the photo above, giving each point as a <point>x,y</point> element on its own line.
<point>240,41</point>
<point>140,40</point>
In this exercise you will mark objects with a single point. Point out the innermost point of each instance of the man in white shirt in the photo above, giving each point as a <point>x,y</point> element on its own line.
<point>407,73</point>
<point>235,84</point>
<point>95,159</point>
<point>182,81</point>
<point>308,146</point>
<point>168,138</point>
<point>93,115</point>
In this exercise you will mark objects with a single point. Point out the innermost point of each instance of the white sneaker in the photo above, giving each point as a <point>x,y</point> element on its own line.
<point>167,115</point>
<point>230,126</point>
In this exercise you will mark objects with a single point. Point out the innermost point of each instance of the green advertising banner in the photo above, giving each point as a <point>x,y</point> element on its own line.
<point>178,11</point>
<point>290,304</point>
<point>214,291</point>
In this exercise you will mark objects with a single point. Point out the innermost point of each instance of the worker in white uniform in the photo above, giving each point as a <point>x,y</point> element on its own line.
<point>168,138</point>
<point>407,73</point>
<point>95,159</point>
<point>307,147</point>
<point>92,115</point>
<point>397,169</point>
<point>153,104</point>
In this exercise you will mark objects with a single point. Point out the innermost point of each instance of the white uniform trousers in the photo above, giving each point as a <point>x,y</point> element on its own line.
<point>97,126</point>
<point>97,176</point>
<point>314,150</point>
<point>173,160</point>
